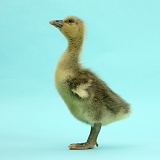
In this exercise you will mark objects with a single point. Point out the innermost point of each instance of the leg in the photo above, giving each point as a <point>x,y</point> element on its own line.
<point>91,141</point>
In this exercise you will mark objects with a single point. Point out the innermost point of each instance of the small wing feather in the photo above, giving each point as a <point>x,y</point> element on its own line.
<point>80,88</point>
<point>81,91</point>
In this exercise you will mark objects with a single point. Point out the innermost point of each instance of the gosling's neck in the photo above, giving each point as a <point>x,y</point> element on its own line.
<point>70,58</point>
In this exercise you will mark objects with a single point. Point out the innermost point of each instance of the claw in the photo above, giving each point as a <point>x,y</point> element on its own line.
<point>96,144</point>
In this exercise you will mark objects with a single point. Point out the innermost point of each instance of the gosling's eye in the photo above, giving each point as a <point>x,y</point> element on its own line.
<point>71,20</point>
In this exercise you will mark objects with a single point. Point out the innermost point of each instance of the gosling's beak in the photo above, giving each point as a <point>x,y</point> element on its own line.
<point>57,23</point>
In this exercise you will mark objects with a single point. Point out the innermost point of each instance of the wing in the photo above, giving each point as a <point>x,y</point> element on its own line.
<point>81,90</point>
<point>80,86</point>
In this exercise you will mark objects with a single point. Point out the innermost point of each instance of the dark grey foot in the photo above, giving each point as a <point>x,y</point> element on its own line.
<point>92,139</point>
<point>81,146</point>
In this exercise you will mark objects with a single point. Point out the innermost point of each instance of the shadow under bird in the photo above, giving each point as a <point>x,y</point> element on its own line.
<point>88,98</point>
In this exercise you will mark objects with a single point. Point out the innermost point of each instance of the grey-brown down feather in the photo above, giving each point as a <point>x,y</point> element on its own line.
<point>99,94</point>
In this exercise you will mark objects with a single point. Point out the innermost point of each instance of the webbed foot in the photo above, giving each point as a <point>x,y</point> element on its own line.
<point>82,146</point>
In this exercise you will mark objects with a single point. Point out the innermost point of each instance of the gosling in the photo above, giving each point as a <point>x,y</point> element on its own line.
<point>88,98</point>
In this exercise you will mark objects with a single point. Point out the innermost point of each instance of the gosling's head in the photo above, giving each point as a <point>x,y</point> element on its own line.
<point>71,27</point>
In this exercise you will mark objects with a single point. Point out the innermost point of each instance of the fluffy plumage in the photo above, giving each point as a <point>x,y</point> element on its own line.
<point>88,98</point>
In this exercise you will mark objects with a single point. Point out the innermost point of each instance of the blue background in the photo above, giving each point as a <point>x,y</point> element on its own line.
<point>122,46</point>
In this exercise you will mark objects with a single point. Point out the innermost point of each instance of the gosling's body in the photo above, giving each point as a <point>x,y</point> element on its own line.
<point>88,98</point>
